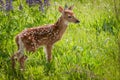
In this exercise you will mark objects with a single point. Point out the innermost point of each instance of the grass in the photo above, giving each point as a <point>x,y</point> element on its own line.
<point>87,51</point>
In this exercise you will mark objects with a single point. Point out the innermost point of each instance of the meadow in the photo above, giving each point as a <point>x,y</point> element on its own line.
<point>88,51</point>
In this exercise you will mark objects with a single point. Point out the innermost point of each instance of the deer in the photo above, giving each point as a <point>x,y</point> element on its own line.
<point>31,39</point>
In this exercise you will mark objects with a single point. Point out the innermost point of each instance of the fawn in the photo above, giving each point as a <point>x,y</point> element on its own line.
<point>32,38</point>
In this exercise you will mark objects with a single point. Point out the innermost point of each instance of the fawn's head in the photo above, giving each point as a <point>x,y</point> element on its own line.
<point>68,14</point>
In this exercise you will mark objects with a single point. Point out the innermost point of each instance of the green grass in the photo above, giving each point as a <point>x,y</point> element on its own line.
<point>87,51</point>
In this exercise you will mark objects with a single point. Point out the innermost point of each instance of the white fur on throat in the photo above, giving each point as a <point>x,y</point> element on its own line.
<point>66,22</point>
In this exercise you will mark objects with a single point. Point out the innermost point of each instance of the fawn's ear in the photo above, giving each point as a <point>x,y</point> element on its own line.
<point>60,9</point>
<point>71,7</point>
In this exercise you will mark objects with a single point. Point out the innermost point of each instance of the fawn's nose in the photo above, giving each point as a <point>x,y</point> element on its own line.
<point>77,21</point>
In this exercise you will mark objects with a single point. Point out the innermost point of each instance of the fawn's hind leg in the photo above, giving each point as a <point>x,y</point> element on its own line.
<point>20,58</point>
<point>22,61</point>
<point>16,57</point>
<point>19,55</point>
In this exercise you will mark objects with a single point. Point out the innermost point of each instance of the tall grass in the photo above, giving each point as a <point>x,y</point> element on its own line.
<point>88,51</point>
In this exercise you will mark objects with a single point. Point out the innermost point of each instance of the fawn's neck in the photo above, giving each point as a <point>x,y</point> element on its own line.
<point>61,24</point>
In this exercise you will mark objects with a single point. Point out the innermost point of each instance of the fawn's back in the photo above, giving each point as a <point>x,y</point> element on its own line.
<point>35,37</point>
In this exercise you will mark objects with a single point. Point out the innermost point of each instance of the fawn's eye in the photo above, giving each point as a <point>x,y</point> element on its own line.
<point>69,16</point>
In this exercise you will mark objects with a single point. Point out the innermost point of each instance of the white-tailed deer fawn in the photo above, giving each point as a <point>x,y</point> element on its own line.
<point>32,38</point>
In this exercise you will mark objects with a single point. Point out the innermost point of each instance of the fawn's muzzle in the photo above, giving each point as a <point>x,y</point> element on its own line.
<point>77,21</point>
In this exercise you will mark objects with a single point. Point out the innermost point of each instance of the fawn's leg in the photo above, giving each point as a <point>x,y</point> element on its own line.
<point>22,62</point>
<point>14,58</point>
<point>19,55</point>
<point>48,50</point>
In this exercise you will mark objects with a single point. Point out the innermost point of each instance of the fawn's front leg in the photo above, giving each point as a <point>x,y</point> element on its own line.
<point>48,50</point>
